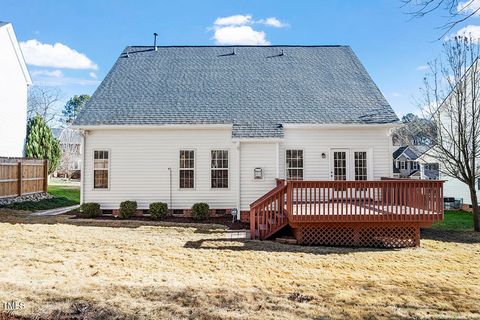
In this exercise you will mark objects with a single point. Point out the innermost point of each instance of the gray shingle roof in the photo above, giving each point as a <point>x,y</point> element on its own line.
<point>255,89</point>
<point>3,23</point>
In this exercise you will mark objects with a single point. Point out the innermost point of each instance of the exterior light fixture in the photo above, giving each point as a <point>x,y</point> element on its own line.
<point>257,173</point>
<point>324,155</point>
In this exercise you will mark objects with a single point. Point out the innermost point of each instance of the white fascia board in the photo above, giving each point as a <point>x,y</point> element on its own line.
<point>18,53</point>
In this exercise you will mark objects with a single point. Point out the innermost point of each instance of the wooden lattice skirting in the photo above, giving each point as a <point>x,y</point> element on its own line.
<point>385,235</point>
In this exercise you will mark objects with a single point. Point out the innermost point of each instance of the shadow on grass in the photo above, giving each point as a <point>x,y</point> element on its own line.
<point>271,246</point>
<point>25,217</point>
<point>469,237</point>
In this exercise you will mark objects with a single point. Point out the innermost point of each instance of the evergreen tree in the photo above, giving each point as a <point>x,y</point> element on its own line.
<point>73,107</point>
<point>41,144</point>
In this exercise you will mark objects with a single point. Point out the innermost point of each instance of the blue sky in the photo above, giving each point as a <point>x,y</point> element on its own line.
<point>73,44</point>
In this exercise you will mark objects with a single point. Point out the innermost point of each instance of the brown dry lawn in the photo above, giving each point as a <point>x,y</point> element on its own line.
<point>60,268</point>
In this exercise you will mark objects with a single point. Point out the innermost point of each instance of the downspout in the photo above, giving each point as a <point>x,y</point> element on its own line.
<point>239,184</point>
<point>83,133</point>
<point>277,160</point>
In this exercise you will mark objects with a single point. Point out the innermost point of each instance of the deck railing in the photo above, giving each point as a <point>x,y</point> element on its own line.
<point>365,201</point>
<point>267,214</point>
<point>389,200</point>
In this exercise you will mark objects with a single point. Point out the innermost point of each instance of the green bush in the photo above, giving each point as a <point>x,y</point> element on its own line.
<point>127,209</point>
<point>158,210</point>
<point>90,210</point>
<point>200,211</point>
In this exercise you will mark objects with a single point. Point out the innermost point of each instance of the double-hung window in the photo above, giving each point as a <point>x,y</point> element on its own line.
<point>402,165</point>
<point>294,164</point>
<point>101,167</point>
<point>187,169</point>
<point>219,169</point>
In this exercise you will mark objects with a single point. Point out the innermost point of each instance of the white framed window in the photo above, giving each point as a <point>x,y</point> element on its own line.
<point>360,165</point>
<point>414,165</point>
<point>101,168</point>
<point>294,164</point>
<point>187,169</point>
<point>219,169</point>
<point>402,165</point>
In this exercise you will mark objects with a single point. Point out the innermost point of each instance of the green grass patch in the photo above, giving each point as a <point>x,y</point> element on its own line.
<point>64,196</point>
<point>69,192</point>
<point>44,204</point>
<point>455,220</point>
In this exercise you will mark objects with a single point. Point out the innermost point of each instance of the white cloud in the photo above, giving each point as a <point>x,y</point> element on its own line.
<point>235,20</point>
<point>237,35</point>
<point>470,31</point>
<point>93,75</point>
<point>47,73</point>
<point>396,94</point>
<point>55,55</point>
<point>422,68</point>
<point>273,22</point>
<point>469,7</point>
<point>238,29</point>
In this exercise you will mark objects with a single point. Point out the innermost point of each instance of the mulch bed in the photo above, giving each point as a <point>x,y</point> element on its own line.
<point>221,220</point>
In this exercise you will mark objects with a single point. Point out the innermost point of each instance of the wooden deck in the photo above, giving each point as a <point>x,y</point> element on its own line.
<point>387,206</point>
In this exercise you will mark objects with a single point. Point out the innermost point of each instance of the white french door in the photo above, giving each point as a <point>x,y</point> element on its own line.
<point>339,168</point>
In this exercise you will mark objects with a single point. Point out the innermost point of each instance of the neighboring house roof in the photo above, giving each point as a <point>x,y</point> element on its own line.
<point>18,51</point>
<point>56,132</point>
<point>406,151</point>
<point>254,88</point>
<point>414,173</point>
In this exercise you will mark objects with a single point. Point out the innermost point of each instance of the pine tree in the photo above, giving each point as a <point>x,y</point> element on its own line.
<point>41,144</point>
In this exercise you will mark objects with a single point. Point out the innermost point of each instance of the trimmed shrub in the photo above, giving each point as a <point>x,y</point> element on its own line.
<point>158,210</point>
<point>127,209</point>
<point>200,211</point>
<point>90,210</point>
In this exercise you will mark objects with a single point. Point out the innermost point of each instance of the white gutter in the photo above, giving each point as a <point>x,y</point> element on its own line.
<point>340,125</point>
<point>148,126</point>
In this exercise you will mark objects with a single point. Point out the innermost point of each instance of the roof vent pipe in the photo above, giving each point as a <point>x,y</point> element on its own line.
<point>155,41</point>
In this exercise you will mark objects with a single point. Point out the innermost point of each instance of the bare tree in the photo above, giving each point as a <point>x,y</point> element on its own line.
<point>44,102</point>
<point>457,11</point>
<point>450,98</point>
<point>70,145</point>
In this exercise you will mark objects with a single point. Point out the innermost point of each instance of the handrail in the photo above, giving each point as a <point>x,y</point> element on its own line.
<point>365,201</point>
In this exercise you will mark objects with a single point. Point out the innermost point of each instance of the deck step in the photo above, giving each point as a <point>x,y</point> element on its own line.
<point>286,240</point>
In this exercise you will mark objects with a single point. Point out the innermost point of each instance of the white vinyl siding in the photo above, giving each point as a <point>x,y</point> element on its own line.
<point>145,178</point>
<point>314,142</point>
<point>256,155</point>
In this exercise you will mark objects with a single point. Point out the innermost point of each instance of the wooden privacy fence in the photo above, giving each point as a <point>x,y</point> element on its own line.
<point>20,176</point>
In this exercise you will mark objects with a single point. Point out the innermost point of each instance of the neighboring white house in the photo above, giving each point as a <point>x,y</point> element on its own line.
<point>219,124</point>
<point>71,145</point>
<point>14,81</point>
